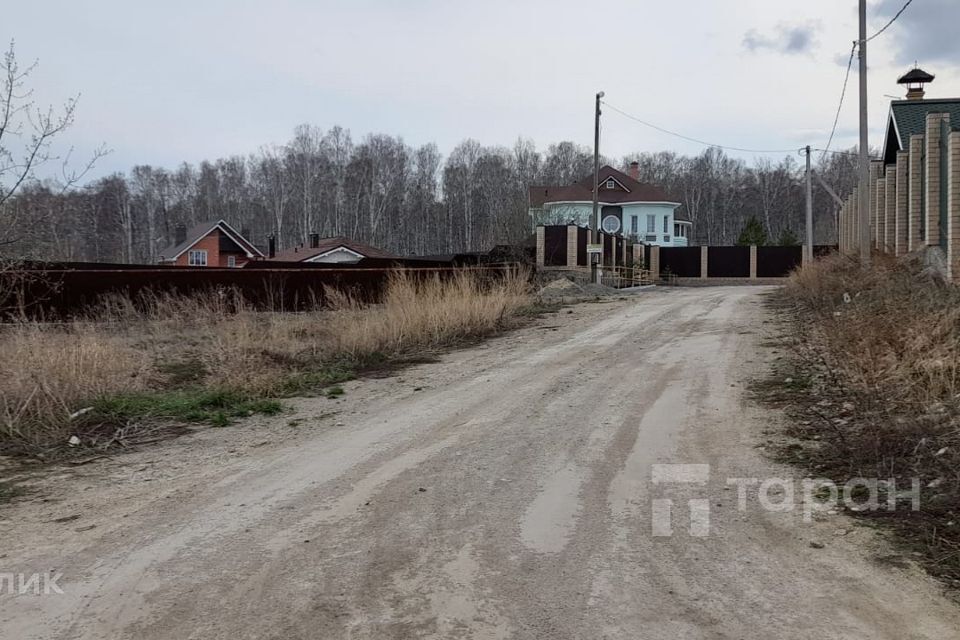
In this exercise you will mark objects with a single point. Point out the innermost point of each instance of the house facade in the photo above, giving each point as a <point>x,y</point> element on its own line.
<point>330,250</point>
<point>209,244</point>
<point>627,206</point>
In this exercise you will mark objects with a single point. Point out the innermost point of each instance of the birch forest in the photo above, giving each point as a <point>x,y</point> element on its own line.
<point>409,200</point>
<point>378,190</point>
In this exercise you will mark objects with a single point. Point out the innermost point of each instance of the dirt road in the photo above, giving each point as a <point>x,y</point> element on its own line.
<point>504,492</point>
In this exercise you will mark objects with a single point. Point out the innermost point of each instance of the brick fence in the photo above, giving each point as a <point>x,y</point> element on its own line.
<point>913,204</point>
<point>565,247</point>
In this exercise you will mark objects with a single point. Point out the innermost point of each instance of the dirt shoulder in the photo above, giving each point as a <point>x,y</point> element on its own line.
<point>503,492</point>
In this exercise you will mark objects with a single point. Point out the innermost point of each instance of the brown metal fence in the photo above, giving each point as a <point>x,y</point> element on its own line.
<point>64,292</point>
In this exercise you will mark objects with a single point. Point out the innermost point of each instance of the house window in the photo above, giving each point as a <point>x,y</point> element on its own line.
<point>651,223</point>
<point>666,238</point>
<point>634,225</point>
<point>666,224</point>
<point>652,238</point>
<point>197,258</point>
<point>611,184</point>
<point>231,261</point>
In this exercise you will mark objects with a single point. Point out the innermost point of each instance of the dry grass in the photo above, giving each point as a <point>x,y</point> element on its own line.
<point>890,330</point>
<point>875,389</point>
<point>187,357</point>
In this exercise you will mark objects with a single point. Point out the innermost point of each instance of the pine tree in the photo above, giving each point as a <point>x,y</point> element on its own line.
<point>753,234</point>
<point>788,239</point>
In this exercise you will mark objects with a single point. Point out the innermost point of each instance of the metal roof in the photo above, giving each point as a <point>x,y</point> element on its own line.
<point>909,118</point>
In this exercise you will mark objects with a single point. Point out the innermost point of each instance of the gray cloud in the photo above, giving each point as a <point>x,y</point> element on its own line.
<point>926,32</point>
<point>787,39</point>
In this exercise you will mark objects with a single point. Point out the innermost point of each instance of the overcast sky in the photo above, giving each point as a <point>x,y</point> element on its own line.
<point>172,81</point>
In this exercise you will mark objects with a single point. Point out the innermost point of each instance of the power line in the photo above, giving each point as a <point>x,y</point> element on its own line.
<point>843,93</point>
<point>846,77</point>
<point>892,20</point>
<point>688,138</point>
<point>840,153</point>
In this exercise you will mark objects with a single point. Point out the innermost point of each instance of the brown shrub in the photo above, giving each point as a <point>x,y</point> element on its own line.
<point>891,330</point>
<point>49,371</point>
<point>878,354</point>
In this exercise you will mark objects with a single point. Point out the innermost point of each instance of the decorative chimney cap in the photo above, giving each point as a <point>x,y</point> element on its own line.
<point>915,76</point>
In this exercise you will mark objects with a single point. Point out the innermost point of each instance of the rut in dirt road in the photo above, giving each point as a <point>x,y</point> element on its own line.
<point>510,498</point>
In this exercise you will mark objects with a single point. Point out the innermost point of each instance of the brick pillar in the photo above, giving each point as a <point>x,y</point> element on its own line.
<point>842,226</point>
<point>931,205</point>
<point>902,213</point>
<point>879,215</point>
<point>841,220</point>
<point>572,231</point>
<point>844,222</point>
<point>853,229</point>
<point>915,200</point>
<point>889,209</point>
<point>753,261</point>
<point>844,214</point>
<point>638,256</point>
<point>953,206</point>
<point>876,171</point>
<point>655,262</point>
<point>541,245</point>
<point>704,261</point>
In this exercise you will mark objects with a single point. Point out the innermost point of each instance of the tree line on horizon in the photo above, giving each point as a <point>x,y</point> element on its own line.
<point>381,191</point>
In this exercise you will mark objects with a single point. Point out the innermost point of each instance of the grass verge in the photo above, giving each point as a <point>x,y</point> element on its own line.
<point>212,359</point>
<point>216,406</point>
<point>871,380</point>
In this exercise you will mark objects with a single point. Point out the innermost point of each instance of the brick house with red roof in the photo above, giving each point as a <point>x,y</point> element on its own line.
<point>209,244</point>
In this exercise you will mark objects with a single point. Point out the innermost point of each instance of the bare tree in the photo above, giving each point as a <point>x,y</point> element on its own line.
<point>27,133</point>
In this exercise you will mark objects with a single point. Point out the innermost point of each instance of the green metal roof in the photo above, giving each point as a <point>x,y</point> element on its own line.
<point>909,118</point>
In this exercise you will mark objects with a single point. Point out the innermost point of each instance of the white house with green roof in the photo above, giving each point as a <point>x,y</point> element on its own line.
<point>642,212</point>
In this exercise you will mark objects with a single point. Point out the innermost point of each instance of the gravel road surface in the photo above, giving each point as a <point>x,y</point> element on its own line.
<point>506,491</point>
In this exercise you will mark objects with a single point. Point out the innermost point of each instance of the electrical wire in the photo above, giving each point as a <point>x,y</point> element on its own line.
<point>892,20</point>
<point>688,138</point>
<point>846,78</point>
<point>843,93</point>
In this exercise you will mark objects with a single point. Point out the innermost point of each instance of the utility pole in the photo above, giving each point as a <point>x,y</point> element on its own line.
<point>863,200</point>
<point>809,248</point>
<point>595,218</point>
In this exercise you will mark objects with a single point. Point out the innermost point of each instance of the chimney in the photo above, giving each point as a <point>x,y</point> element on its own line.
<point>635,170</point>
<point>272,247</point>
<point>314,240</point>
<point>915,79</point>
<point>180,234</point>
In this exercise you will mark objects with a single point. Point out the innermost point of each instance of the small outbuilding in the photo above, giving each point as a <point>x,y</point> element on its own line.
<point>331,250</point>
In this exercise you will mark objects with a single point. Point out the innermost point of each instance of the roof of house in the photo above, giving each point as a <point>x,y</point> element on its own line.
<point>909,118</point>
<point>202,230</point>
<point>628,190</point>
<point>300,253</point>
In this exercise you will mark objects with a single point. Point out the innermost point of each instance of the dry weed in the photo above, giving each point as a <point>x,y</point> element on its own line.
<point>219,343</point>
<point>876,378</point>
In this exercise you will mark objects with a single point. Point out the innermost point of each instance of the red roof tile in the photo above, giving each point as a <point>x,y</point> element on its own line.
<point>303,253</point>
